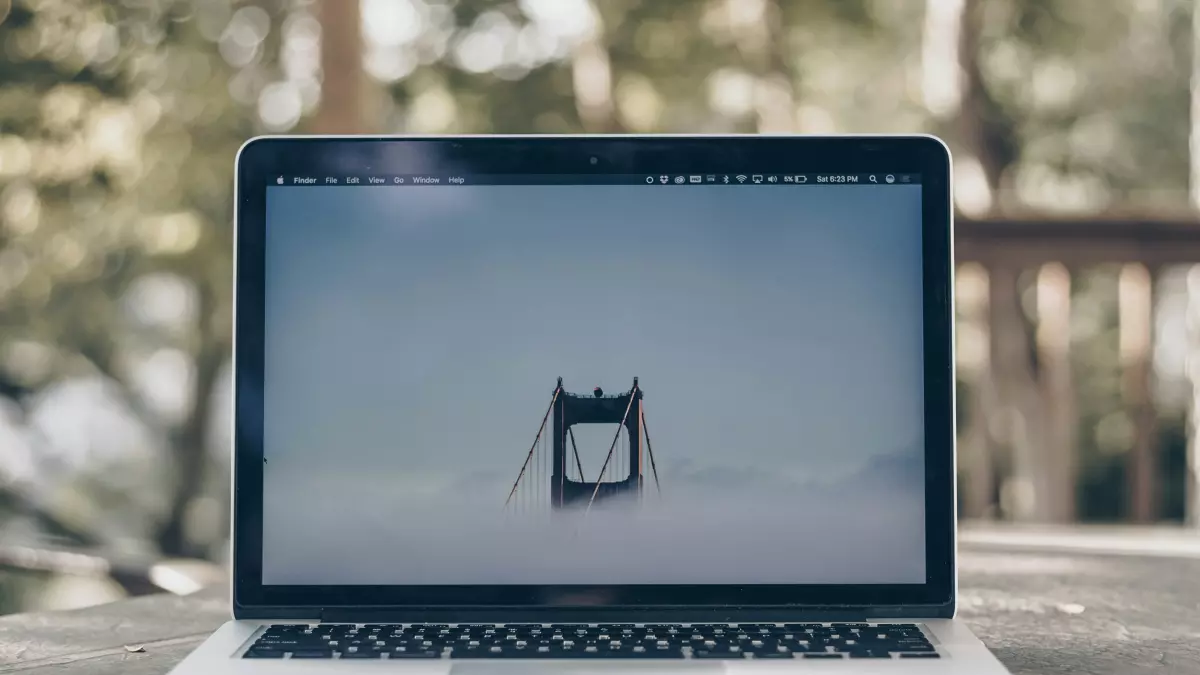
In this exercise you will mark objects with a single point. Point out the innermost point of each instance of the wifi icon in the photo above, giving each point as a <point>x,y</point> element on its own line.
<point>741,179</point>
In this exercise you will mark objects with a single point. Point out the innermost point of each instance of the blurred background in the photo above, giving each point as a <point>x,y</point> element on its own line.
<point>1075,126</point>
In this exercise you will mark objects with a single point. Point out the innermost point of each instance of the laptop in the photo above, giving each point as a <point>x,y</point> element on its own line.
<point>578,404</point>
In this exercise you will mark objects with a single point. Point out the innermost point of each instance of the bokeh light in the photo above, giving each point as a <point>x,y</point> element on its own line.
<point>119,123</point>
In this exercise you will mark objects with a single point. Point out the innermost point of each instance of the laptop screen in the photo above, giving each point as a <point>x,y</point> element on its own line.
<point>611,380</point>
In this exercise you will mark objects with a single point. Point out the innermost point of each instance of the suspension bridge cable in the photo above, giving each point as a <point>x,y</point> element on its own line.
<point>542,464</point>
<point>641,457</point>
<point>619,470</point>
<point>578,463</point>
<point>650,451</point>
<point>623,467</point>
<point>562,470</point>
<point>616,462</point>
<point>611,447</point>
<point>536,483</point>
<point>533,447</point>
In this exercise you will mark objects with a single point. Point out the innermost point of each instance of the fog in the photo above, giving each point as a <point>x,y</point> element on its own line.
<point>684,537</point>
<point>414,341</point>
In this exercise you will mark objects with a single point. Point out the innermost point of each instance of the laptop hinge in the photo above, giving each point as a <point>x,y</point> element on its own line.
<point>589,615</point>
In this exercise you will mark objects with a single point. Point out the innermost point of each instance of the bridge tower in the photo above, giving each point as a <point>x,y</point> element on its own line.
<point>571,409</point>
<point>565,411</point>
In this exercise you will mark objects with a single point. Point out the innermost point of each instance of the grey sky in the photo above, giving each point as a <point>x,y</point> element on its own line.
<point>416,333</point>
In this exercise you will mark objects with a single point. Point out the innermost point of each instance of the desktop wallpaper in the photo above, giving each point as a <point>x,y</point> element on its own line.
<point>414,340</point>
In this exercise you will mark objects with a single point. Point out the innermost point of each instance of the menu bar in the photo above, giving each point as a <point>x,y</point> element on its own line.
<point>658,179</point>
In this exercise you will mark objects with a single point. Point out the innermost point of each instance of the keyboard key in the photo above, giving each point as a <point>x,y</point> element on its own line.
<point>362,655</point>
<point>822,655</point>
<point>312,654</point>
<point>263,654</point>
<point>910,647</point>
<point>287,642</point>
<point>717,654</point>
<point>803,648</point>
<point>921,655</point>
<point>424,654</point>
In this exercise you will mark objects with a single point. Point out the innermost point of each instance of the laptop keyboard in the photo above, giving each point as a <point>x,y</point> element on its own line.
<point>591,641</point>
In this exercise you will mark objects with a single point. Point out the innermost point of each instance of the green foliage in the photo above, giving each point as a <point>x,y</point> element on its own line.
<point>117,135</point>
<point>119,123</point>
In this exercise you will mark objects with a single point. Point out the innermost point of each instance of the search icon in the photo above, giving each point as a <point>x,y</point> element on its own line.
<point>873,179</point>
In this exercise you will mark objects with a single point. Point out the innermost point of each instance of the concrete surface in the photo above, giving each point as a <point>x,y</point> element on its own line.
<point>1069,601</point>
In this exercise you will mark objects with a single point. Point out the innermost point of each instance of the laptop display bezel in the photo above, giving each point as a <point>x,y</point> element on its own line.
<point>262,159</point>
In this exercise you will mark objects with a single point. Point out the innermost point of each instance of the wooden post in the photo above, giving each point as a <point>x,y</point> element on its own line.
<point>775,95</point>
<point>1136,322</point>
<point>1194,127</point>
<point>941,86</point>
<point>976,460</point>
<point>343,103</point>
<point>1192,477</point>
<point>593,81</point>
<point>1018,406</point>
<point>1057,393</point>
<point>1192,488</point>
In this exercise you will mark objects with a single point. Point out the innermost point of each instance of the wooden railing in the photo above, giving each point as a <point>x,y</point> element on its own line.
<point>1020,410</point>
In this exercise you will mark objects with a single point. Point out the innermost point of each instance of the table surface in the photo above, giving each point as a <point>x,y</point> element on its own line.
<point>1045,602</point>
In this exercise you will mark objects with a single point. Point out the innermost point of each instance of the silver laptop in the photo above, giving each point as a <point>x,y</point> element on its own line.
<point>542,404</point>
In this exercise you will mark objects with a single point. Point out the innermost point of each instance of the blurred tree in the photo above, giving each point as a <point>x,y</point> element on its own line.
<point>119,125</point>
<point>550,66</point>
<point>1041,113</point>
<point>344,103</point>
